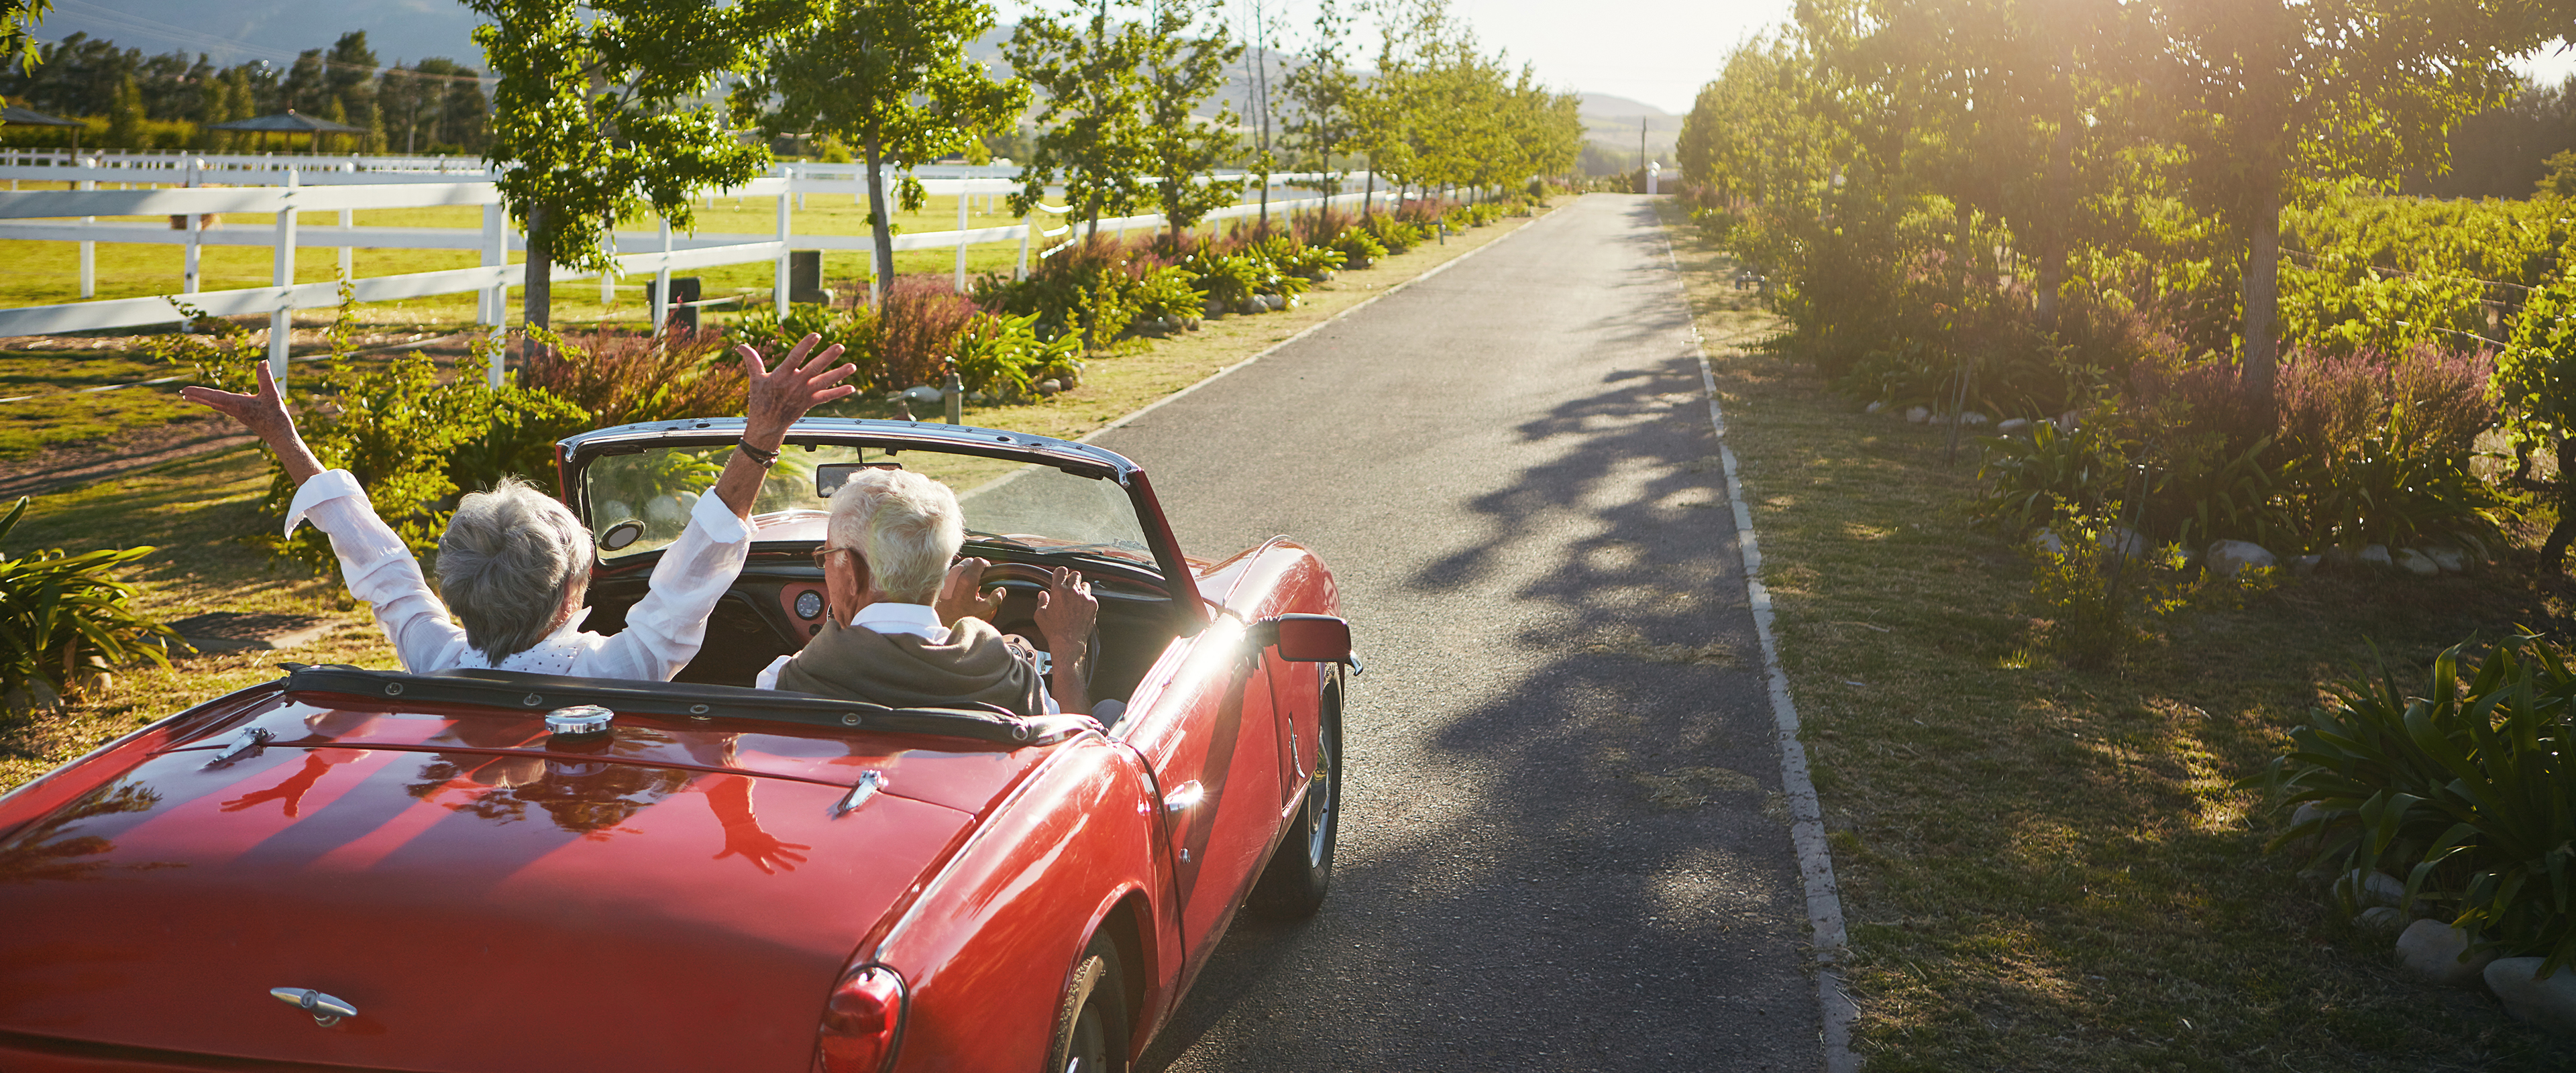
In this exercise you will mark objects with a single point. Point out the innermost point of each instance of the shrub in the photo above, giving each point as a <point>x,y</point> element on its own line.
<point>2054,475</point>
<point>1358,247</point>
<point>2469,790</point>
<point>853,328</point>
<point>1003,355</point>
<point>62,615</point>
<point>919,320</point>
<point>623,377</point>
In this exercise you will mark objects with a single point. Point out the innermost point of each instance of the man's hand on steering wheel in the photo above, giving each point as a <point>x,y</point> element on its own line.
<point>962,594</point>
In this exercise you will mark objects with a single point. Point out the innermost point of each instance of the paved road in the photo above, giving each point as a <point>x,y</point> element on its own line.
<point>1555,851</point>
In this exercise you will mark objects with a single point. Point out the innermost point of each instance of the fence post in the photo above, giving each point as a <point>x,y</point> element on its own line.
<point>962,195</point>
<point>281,321</point>
<point>662,282</point>
<point>88,251</point>
<point>1028,228</point>
<point>193,275</point>
<point>608,275</point>
<point>778,277</point>
<point>496,251</point>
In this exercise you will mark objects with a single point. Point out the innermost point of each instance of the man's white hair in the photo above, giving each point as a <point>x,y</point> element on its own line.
<point>906,525</point>
<point>510,561</point>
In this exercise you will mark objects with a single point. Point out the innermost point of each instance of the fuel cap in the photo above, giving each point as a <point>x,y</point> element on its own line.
<point>580,719</point>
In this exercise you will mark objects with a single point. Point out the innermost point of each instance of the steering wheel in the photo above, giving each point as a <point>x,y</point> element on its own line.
<point>1039,577</point>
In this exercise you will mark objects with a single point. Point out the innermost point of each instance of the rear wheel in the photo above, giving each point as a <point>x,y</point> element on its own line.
<point>1301,869</point>
<point>1091,1021</point>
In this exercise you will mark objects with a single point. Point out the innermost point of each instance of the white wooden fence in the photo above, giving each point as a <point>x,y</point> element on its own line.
<point>348,189</point>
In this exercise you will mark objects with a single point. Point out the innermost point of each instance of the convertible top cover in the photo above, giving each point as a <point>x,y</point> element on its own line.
<point>521,691</point>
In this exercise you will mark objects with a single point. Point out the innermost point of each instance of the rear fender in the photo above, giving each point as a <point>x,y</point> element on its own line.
<point>987,946</point>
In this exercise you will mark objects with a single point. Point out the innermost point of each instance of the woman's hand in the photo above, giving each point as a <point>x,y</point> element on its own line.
<point>774,399</point>
<point>264,414</point>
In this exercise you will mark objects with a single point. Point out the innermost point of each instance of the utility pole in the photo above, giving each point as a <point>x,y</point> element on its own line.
<point>1641,146</point>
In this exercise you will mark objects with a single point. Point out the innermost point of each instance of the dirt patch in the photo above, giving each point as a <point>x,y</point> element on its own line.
<point>70,464</point>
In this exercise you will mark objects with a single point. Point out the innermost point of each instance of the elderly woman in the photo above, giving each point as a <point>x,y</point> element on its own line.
<point>902,632</point>
<point>514,564</point>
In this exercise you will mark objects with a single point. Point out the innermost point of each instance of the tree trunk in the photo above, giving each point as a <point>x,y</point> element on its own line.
<point>880,222</point>
<point>2262,295</point>
<point>1371,194</point>
<point>537,298</point>
<point>2553,552</point>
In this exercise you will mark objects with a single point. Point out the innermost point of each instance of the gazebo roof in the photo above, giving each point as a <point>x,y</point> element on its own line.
<point>31,117</point>
<point>288,122</point>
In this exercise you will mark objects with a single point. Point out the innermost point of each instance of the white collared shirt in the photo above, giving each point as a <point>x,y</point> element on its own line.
<point>919,620</point>
<point>663,630</point>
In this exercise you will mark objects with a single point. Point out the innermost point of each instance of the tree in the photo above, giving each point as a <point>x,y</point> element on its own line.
<point>2535,392</point>
<point>600,109</point>
<point>125,115</point>
<point>2271,95</point>
<point>1091,136</point>
<point>18,19</point>
<point>1321,89</point>
<point>1181,150</point>
<point>891,78</point>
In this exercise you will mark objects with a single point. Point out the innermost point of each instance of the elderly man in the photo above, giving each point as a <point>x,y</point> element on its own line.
<point>899,633</point>
<point>514,564</point>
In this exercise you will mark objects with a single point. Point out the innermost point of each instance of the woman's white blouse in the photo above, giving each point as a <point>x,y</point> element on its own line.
<point>663,630</point>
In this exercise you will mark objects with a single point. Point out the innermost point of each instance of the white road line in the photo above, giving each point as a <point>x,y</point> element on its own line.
<point>1309,329</point>
<point>1806,817</point>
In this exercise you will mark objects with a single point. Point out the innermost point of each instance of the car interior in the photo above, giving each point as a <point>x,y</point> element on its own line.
<point>1023,519</point>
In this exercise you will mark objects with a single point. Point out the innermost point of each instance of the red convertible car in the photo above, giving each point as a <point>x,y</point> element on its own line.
<point>350,869</point>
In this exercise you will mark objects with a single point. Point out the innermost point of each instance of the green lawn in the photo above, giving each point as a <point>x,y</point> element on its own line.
<point>2047,868</point>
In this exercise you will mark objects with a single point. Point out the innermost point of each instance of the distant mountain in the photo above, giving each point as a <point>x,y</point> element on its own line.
<point>232,31</point>
<point>1611,124</point>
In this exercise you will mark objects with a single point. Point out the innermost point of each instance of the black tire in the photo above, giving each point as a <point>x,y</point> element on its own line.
<point>1091,1020</point>
<point>1300,873</point>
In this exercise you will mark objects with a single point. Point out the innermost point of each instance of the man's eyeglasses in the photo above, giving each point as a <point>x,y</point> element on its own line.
<point>823,556</point>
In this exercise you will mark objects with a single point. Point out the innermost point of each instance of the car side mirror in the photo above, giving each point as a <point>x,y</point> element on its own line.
<point>1305,638</point>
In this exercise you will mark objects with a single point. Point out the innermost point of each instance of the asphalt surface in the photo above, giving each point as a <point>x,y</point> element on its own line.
<point>1562,845</point>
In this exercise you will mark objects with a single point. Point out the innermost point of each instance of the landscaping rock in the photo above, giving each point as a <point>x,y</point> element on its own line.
<point>1973,419</point>
<point>923,395</point>
<point>2431,950</point>
<point>2124,542</point>
<point>2377,555</point>
<point>32,697</point>
<point>2306,564</point>
<point>2548,1004</point>
<point>1049,387</point>
<point>2417,563</point>
<point>2376,888</point>
<point>1874,407</point>
<point>2380,918</point>
<point>2012,426</point>
<point>2069,421</point>
<point>2228,558</point>
<point>1918,415</point>
<point>2048,542</point>
<point>2452,560</point>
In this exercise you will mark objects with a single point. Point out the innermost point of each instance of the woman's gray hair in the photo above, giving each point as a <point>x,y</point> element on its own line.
<point>906,525</point>
<point>511,560</point>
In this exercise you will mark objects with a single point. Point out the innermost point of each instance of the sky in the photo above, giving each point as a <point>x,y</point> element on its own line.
<point>1659,52</point>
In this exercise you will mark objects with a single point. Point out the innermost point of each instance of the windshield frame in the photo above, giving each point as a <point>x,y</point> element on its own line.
<point>575,454</point>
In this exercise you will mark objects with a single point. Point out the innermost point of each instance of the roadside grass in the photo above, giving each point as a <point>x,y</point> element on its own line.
<point>2046,868</point>
<point>196,512</point>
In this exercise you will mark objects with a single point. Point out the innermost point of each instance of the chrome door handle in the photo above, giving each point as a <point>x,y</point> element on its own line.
<point>1184,797</point>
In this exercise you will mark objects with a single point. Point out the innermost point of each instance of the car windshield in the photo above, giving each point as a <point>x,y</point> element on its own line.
<point>639,502</point>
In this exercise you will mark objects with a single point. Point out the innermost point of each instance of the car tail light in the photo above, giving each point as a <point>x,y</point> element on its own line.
<point>862,1023</point>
